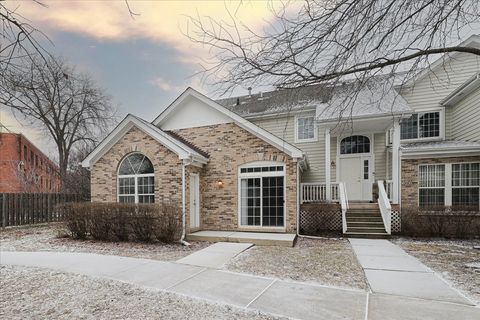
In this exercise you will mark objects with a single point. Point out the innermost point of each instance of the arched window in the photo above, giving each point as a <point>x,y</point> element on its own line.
<point>355,144</point>
<point>136,180</point>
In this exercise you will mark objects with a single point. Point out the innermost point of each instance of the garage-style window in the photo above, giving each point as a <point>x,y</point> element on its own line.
<point>262,195</point>
<point>136,180</point>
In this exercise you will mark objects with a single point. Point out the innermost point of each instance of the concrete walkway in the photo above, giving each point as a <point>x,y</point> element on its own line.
<point>285,298</point>
<point>216,255</point>
<point>390,270</point>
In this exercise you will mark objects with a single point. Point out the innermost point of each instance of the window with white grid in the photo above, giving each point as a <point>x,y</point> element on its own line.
<point>431,182</point>
<point>305,129</point>
<point>465,184</point>
<point>136,182</point>
<point>262,198</point>
<point>421,126</point>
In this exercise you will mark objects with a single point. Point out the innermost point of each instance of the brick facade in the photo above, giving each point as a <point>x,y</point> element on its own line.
<point>167,166</point>
<point>24,168</point>
<point>409,177</point>
<point>228,146</point>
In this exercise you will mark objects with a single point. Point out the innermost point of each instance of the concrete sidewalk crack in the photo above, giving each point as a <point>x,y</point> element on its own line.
<point>261,292</point>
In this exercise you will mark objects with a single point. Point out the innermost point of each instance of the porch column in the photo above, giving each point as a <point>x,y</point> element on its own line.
<point>328,182</point>
<point>395,161</point>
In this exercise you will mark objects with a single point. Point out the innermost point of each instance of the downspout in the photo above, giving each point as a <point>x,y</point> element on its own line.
<point>184,191</point>
<point>298,198</point>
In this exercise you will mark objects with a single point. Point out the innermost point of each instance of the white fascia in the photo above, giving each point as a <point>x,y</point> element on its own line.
<point>123,127</point>
<point>238,120</point>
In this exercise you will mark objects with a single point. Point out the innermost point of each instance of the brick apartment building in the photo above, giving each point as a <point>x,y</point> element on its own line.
<point>24,168</point>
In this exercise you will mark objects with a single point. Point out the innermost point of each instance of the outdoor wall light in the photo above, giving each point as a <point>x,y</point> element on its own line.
<point>220,183</point>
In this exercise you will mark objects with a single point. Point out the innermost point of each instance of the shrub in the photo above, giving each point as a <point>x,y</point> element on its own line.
<point>168,224</point>
<point>76,219</point>
<point>100,226</point>
<point>440,222</point>
<point>123,222</point>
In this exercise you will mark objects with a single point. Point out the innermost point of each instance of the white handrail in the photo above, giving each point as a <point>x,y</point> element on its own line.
<point>389,188</point>
<point>385,207</point>
<point>343,204</point>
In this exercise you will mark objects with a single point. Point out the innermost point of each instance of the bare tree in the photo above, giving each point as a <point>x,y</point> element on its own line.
<point>19,38</point>
<point>78,177</point>
<point>333,40</point>
<point>67,105</point>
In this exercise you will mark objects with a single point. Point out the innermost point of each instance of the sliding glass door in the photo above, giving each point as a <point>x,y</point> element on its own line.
<point>262,197</point>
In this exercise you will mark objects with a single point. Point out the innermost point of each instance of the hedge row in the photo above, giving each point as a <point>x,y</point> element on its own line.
<point>123,222</point>
<point>441,222</point>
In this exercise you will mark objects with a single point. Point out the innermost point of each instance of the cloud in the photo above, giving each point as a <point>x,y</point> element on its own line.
<point>158,21</point>
<point>165,85</point>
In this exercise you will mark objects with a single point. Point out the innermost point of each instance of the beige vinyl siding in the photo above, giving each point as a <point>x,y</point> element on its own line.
<point>283,127</point>
<point>464,118</point>
<point>432,88</point>
<point>380,151</point>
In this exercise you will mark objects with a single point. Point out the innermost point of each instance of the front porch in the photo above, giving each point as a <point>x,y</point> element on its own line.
<point>361,174</point>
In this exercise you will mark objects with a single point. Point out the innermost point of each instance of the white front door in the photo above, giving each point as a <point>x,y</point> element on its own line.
<point>356,173</point>
<point>194,200</point>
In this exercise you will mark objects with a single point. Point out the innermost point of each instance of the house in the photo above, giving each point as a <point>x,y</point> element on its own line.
<point>24,167</point>
<point>251,163</point>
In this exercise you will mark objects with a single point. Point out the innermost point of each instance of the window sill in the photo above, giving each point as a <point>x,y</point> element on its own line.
<point>306,140</point>
<point>261,229</point>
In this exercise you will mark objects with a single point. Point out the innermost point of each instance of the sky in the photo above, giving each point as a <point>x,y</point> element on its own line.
<point>144,62</point>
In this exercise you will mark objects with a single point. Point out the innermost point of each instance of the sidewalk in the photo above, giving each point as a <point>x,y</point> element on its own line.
<point>275,296</point>
<point>390,270</point>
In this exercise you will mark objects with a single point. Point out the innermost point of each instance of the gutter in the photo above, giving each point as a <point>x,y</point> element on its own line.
<point>403,114</point>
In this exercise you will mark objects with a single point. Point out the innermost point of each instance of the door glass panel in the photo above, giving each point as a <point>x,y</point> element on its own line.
<point>365,169</point>
<point>250,201</point>
<point>272,198</point>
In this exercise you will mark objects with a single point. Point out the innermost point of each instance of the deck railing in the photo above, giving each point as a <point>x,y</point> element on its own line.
<point>385,207</point>
<point>317,192</point>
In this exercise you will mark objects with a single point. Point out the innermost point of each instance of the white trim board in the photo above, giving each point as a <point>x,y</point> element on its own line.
<point>130,121</point>
<point>278,143</point>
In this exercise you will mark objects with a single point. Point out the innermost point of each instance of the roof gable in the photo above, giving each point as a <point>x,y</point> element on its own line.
<point>181,149</point>
<point>162,121</point>
<point>188,111</point>
<point>472,41</point>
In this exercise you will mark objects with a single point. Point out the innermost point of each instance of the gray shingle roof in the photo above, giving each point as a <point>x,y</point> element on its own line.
<point>277,101</point>
<point>331,102</point>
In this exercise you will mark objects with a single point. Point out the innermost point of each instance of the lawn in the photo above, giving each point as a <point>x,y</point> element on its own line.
<point>453,260</point>
<point>328,261</point>
<point>53,238</point>
<point>35,293</point>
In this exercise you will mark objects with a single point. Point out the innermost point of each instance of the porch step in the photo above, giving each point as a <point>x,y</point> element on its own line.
<point>364,220</point>
<point>367,235</point>
<point>368,229</point>
<point>362,205</point>
<point>367,224</point>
